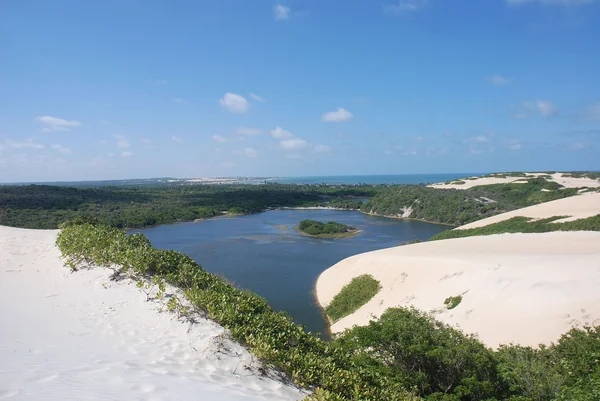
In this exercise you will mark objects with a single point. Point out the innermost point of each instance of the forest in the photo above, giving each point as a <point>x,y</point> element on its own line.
<point>329,229</point>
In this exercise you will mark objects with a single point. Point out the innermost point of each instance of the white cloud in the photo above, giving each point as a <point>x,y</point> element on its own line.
<point>339,115</point>
<point>28,144</point>
<point>102,142</point>
<point>592,113</point>
<point>514,145</point>
<point>179,100</point>
<point>235,103</point>
<point>161,82</point>
<point>403,7</point>
<point>294,144</point>
<point>500,80</point>
<point>126,153</point>
<point>146,141</point>
<point>281,12</point>
<point>219,138</point>
<point>322,148</point>
<point>177,139</point>
<point>419,139</point>
<point>228,164</point>
<point>544,108</point>
<point>247,151</point>
<point>122,142</point>
<point>551,2</point>
<point>56,124</point>
<point>480,139</point>
<point>61,149</point>
<point>248,131</point>
<point>257,98</point>
<point>280,133</point>
<point>577,146</point>
<point>294,156</point>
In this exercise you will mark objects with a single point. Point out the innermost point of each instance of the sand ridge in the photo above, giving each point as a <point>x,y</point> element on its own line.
<point>81,336</point>
<point>560,178</point>
<point>522,288</point>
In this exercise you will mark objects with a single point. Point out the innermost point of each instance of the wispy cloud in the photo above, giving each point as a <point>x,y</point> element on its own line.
<point>122,142</point>
<point>281,12</point>
<point>161,82</point>
<point>551,2</point>
<point>179,100</point>
<point>250,152</point>
<point>235,103</point>
<point>248,131</point>
<point>322,149</point>
<point>219,138</point>
<point>176,138</point>
<point>294,144</point>
<point>127,153</point>
<point>514,145</point>
<point>61,149</point>
<point>403,7</point>
<point>257,98</point>
<point>146,141</point>
<point>592,113</point>
<point>339,115</point>
<point>27,144</point>
<point>280,133</point>
<point>57,124</point>
<point>500,80</point>
<point>543,108</point>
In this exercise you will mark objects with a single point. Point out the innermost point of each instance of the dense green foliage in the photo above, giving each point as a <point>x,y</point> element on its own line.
<point>352,296</point>
<point>404,349</point>
<point>524,225</point>
<point>41,206</point>
<point>457,206</point>
<point>320,229</point>
<point>452,302</point>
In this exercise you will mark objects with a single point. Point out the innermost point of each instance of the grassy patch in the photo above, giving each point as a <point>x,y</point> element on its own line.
<point>524,225</point>
<point>452,302</point>
<point>354,295</point>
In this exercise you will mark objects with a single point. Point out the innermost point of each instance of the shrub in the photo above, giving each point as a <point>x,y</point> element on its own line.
<point>452,302</point>
<point>352,296</point>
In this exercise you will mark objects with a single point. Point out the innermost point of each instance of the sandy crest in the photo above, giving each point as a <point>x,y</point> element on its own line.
<point>576,207</point>
<point>567,182</point>
<point>81,337</point>
<point>522,288</point>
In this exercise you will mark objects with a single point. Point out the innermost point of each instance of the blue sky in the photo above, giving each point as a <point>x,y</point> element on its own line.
<point>127,89</point>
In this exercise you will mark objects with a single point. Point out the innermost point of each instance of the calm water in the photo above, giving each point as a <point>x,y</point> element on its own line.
<point>375,179</point>
<point>263,252</point>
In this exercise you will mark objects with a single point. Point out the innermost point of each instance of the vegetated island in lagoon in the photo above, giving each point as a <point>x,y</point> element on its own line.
<point>330,229</point>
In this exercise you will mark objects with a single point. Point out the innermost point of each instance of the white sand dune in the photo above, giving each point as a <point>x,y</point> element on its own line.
<point>567,182</point>
<point>522,288</point>
<point>80,336</point>
<point>576,207</point>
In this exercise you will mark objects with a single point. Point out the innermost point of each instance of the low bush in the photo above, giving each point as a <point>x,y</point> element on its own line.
<point>524,225</point>
<point>452,302</point>
<point>317,228</point>
<point>352,296</point>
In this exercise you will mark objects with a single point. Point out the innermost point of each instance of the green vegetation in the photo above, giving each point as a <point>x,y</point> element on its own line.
<point>326,230</point>
<point>354,295</point>
<point>505,175</point>
<point>406,355</point>
<point>524,225</point>
<point>272,336</point>
<point>452,302</point>
<point>43,206</point>
<point>457,206</point>
<point>583,174</point>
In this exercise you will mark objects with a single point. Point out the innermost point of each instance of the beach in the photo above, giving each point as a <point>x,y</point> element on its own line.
<point>82,336</point>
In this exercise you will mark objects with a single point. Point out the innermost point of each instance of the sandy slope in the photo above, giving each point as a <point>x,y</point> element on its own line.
<point>80,337</point>
<point>567,182</point>
<point>576,207</point>
<point>524,288</point>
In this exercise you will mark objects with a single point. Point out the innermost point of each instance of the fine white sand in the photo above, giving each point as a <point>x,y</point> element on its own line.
<point>79,336</point>
<point>576,207</point>
<point>567,182</point>
<point>522,288</point>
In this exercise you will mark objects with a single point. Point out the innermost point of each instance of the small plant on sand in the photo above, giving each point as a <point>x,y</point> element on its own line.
<point>354,295</point>
<point>452,302</point>
<point>174,305</point>
<point>154,288</point>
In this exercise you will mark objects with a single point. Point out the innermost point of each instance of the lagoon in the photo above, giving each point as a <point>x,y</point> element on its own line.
<point>264,253</point>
